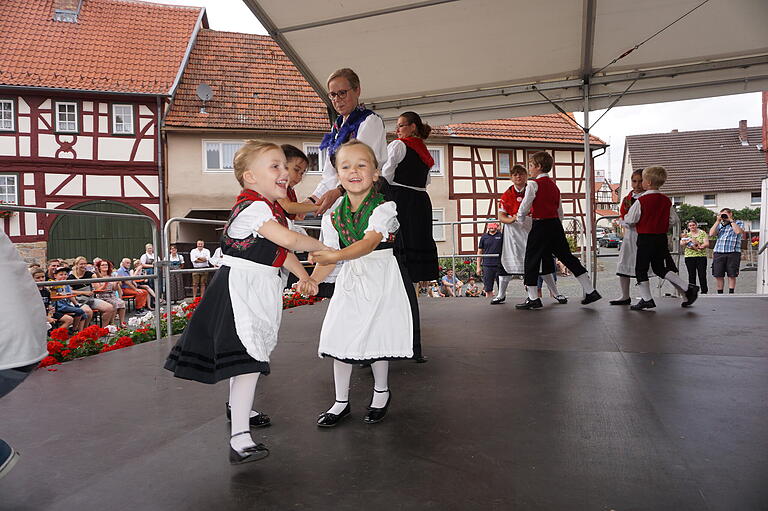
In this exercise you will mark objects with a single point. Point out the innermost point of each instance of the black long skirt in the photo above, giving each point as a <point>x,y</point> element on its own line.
<point>415,244</point>
<point>209,349</point>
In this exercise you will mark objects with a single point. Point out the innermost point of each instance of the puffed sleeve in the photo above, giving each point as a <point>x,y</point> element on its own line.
<point>250,220</point>
<point>384,219</point>
<point>328,234</point>
<point>395,154</point>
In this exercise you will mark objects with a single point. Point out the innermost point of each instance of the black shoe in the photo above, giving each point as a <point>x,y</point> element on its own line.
<point>375,415</point>
<point>627,301</point>
<point>497,300</point>
<point>253,453</point>
<point>421,359</point>
<point>591,297</point>
<point>329,420</point>
<point>8,458</point>
<point>643,304</point>
<point>529,304</point>
<point>691,294</point>
<point>561,299</point>
<point>257,421</point>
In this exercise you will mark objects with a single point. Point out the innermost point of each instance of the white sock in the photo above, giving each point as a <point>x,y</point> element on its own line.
<point>241,390</point>
<point>586,283</point>
<point>380,382</point>
<point>533,292</point>
<point>645,290</point>
<point>254,413</point>
<point>675,280</point>
<point>342,373</point>
<point>624,285</point>
<point>549,280</point>
<point>503,284</point>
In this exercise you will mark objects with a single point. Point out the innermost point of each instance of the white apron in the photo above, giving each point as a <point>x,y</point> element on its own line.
<point>515,240</point>
<point>369,316</point>
<point>257,304</point>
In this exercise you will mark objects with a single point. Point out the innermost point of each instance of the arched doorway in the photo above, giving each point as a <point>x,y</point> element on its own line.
<point>95,236</point>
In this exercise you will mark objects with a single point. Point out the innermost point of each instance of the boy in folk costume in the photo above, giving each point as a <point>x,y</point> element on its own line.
<point>369,318</point>
<point>234,328</point>
<point>547,238</point>
<point>651,214</point>
<point>625,268</point>
<point>512,260</point>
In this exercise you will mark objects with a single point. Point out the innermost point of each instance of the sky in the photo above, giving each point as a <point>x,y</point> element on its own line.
<point>697,114</point>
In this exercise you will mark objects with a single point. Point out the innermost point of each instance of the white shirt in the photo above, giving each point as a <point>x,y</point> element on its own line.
<point>147,258</point>
<point>530,193</point>
<point>372,132</point>
<point>196,253</point>
<point>395,154</point>
<point>634,213</point>
<point>217,257</point>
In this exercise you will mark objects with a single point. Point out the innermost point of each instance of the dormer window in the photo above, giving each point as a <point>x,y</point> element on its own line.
<point>66,117</point>
<point>66,10</point>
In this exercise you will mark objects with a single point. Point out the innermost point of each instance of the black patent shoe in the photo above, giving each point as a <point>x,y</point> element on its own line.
<point>497,300</point>
<point>257,421</point>
<point>591,297</point>
<point>421,359</point>
<point>529,304</point>
<point>691,294</point>
<point>627,301</point>
<point>375,415</point>
<point>561,299</point>
<point>253,453</point>
<point>643,304</point>
<point>329,420</point>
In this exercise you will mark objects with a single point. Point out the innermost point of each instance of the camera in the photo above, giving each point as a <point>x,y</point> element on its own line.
<point>724,216</point>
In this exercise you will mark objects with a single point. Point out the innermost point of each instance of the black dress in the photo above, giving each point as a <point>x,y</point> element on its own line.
<point>209,349</point>
<point>415,244</point>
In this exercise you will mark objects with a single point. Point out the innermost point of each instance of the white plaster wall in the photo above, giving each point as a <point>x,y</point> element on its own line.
<point>8,145</point>
<point>47,145</point>
<point>23,106</point>
<point>102,186</point>
<point>24,148</point>
<point>115,149</point>
<point>146,150</point>
<point>24,125</point>
<point>84,148</point>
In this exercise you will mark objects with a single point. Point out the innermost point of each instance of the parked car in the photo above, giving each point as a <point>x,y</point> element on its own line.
<point>600,232</point>
<point>610,240</point>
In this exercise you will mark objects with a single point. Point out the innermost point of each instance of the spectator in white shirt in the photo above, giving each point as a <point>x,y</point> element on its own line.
<point>200,257</point>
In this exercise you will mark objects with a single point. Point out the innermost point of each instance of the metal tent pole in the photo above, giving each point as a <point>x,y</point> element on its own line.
<point>589,179</point>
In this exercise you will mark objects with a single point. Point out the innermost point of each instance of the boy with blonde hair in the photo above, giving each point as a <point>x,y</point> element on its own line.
<point>651,215</point>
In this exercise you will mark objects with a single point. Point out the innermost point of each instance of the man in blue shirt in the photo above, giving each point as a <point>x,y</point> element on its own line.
<point>726,256</point>
<point>488,267</point>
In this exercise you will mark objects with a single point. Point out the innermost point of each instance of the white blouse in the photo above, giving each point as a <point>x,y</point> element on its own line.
<point>250,220</point>
<point>383,220</point>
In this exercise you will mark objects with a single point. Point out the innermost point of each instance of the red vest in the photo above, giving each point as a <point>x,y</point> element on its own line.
<point>547,200</point>
<point>654,213</point>
<point>626,204</point>
<point>511,199</point>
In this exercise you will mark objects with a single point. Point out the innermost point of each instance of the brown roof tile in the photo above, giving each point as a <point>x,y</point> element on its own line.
<point>557,128</point>
<point>702,161</point>
<point>123,46</point>
<point>255,86</point>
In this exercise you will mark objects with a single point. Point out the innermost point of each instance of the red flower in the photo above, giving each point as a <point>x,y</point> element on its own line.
<point>59,334</point>
<point>48,361</point>
<point>65,353</point>
<point>466,261</point>
<point>54,347</point>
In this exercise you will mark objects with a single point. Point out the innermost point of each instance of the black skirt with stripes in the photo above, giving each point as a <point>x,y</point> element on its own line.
<point>209,349</point>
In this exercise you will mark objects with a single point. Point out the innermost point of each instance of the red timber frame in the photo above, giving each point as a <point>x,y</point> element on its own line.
<point>32,168</point>
<point>477,192</point>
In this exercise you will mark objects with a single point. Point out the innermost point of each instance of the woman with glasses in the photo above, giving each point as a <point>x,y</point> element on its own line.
<point>354,121</point>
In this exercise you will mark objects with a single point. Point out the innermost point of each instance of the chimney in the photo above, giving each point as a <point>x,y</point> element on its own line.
<point>66,10</point>
<point>674,130</point>
<point>743,133</point>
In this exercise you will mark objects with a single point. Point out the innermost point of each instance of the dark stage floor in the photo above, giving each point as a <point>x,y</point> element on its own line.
<point>566,408</point>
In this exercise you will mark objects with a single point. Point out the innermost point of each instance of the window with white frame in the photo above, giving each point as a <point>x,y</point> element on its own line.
<point>710,199</point>
<point>219,156</point>
<point>316,158</point>
<point>438,231</point>
<point>122,119</point>
<point>7,115</point>
<point>9,188</point>
<point>437,155</point>
<point>755,198</point>
<point>677,200</point>
<point>66,117</point>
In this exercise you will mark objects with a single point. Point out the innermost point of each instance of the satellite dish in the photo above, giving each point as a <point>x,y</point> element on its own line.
<point>204,92</point>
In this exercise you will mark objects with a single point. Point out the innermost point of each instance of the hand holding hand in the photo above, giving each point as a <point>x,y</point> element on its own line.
<point>308,287</point>
<point>325,256</point>
<point>327,200</point>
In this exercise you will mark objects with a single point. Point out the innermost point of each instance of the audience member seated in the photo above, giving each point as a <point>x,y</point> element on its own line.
<point>110,291</point>
<point>452,286</point>
<point>473,290</point>
<point>55,319</point>
<point>84,292</point>
<point>64,301</point>
<point>434,290</point>
<point>129,288</point>
<point>138,270</point>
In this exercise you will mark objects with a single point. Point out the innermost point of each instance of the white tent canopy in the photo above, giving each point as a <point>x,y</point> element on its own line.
<point>469,60</point>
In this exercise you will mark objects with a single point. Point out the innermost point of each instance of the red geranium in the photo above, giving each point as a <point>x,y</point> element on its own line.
<point>48,361</point>
<point>59,334</point>
<point>55,347</point>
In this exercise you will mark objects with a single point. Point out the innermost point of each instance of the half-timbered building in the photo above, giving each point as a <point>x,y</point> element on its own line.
<point>83,87</point>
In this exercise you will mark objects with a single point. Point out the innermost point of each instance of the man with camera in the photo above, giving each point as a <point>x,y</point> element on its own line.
<point>726,256</point>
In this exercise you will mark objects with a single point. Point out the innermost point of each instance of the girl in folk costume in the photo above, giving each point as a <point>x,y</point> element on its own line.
<point>625,268</point>
<point>407,170</point>
<point>369,318</point>
<point>234,328</point>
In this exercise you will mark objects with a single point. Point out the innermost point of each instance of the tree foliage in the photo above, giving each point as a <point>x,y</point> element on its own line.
<point>705,217</point>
